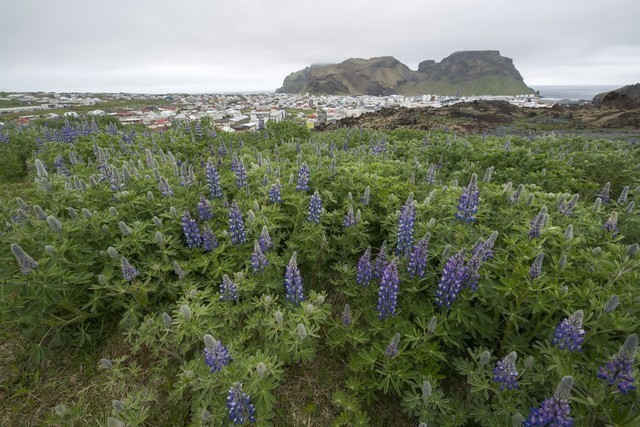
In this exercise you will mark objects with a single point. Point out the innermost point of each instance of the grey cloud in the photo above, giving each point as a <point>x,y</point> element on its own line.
<point>207,45</point>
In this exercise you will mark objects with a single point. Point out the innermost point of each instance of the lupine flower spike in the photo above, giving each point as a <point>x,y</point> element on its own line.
<point>293,282</point>
<point>505,372</point>
<point>365,269</point>
<point>241,410</point>
<point>554,411</point>
<point>619,371</point>
<point>569,334</point>
<point>216,356</point>
<point>405,227</point>
<point>469,200</point>
<point>388,291</point>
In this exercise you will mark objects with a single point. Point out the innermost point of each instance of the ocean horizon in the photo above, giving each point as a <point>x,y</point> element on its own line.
<point>573,92</point>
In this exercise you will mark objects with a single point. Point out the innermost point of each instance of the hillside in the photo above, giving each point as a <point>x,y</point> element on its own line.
<point>628,96</point>
<point>465,73</point>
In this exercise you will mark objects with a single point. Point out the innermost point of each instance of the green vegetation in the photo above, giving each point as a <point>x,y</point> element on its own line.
<point>133,295</point>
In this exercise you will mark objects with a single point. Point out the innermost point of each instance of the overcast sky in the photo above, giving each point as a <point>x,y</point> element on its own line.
<point>230,45</point>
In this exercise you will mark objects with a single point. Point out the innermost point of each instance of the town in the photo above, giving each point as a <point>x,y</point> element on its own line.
<point>229,112</point>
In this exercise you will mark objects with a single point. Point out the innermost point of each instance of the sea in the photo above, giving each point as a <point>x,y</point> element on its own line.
<point>574,93</point>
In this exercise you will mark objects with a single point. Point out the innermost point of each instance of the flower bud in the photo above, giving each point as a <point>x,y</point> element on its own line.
<point>611,305</point>
<point>426,389</point>
<point>185,311</point>
<point>485,358</point>
<point>113,253</point>
<point>166,319</point>
<point>633,250</point>
<point>278,317</point>
<point>301,331</point>
<point>261,370</point>
<point>106,363</point>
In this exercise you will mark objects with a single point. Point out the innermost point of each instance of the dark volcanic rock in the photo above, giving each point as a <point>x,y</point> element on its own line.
<point>624,97</point>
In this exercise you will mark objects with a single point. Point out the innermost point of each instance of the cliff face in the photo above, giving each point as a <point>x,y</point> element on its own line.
<point>467,73</point>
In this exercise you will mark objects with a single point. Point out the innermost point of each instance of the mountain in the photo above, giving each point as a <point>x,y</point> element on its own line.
<point>628,95</point>
<point>483,72</point>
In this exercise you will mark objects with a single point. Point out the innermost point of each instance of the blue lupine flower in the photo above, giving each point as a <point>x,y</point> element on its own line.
<point>513,199</point>
<point>392,348</point>
<point>612,224</point>
<point>349,219</point>
<point>365,268</point>
<point>569,334</point>
<point>274,192</point>
<point>604,193</point>
<point>258,260</point>
<point>619,371</point>
<point>164,187</point>
<point>265,240</point>
<point>209,241</point>
<point>482,250</point>
<point>303,178</point>
<point>536,267</point>
<point>241,410</point>
<point>216,356</point>
<point>346,315</point>
<point>191,231</point>
<point>454,277</point>
<point>431,174</point>
<point>388,291</point>
<point>555,411</point>
<point>222,149</point>
<point>214,180</point>
<point>204,209</point>
<point>536,224</point>
<point>293,281</point>
<point>381,261</point>
<point>241,174</point>
<point>366,196</point>
<point>236,225</point>
<point>567,208</point>
<point>405,227</point>
<point>128,271</point>
<point>469,200</point>
<point>418,258</point>
<point>505,372</point>
<point>228,290</point>
<point>315,207</point>
<point>26,263</point>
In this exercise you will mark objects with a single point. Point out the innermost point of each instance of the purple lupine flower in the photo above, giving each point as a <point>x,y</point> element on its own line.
<point>265,240</point>
<point>274,192</point>
<point>469,200</point>
<point>505,372</point>
<point>204,209</point>
<point>536,267</point>
<point>381,261</point>
<point>241,174</point>
<point>236,225</point>
<point>213,179</point>
<point>315,207</point>
<point>26,263</point>
<point>346,315</point>
<point>612,224</point>
<point>258,261</point>
<point>454,276</point>
<point>567,208</point>
<point>366,196</point>
<point>365,268</point>
<point>241,410</point>
<point>303,178</point>
<point>388,291</point>
<point>554,411</point>
<point>405,227</point>
<point>349,219</point>
<point>418,258</point>
<point>536,224</point>
<point>619,371</point>
<point>222,149</point>
<point>392,348</point>
<point>128,271</point>
<point>569,334</point>
<point>515,196</point>
<point>209,241</point>
<point>228,289</point>
<point>293,281</point>
<point>216,355</point>
<point>604,193</point>
<point>431,173</point>
<point>164,187</point>
<point>481,251</point>
<point>191,231</point>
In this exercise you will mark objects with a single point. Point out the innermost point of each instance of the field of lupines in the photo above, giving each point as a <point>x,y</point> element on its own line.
<point>352,277</point>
